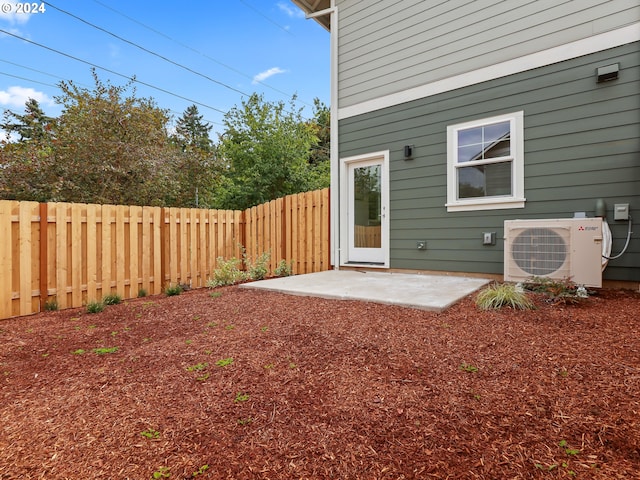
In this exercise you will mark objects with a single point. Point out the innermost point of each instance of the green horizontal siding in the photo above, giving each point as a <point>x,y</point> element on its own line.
<point>582,142</point>
<point>388,46</point>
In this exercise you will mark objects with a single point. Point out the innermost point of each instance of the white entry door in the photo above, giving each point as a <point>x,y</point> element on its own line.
<point>367,219</point>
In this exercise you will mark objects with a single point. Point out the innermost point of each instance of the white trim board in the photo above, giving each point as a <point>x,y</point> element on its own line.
<point>586,46</point>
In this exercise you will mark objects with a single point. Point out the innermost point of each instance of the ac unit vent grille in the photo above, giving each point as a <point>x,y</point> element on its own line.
<point>539,251</point>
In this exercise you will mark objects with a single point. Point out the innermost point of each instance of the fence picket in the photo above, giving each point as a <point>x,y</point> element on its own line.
<point>6,261</point>
<point>26,254</point>
<point>92,252</point>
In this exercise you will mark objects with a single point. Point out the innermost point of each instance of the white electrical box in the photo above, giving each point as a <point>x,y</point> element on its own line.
<point>621,211</point>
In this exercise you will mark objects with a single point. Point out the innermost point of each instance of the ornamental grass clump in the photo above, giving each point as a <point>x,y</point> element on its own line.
<point>503,295</point>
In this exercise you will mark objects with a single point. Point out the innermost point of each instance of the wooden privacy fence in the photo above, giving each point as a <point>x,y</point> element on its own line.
<point>73,254</point>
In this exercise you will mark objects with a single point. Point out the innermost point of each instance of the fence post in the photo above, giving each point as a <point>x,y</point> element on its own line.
<point>44,255</point>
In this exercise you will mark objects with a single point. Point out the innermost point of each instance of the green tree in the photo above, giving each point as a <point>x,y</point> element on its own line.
<point>265,148</point>
<point>107,146</point>
<point>192,131</point>
<point>319,157</point>
<point>113,148</point>
<point>197,166</point>
<point>27,166</point>
<point>321,124</point>
<point>32,125</point>
<point>28,171</point>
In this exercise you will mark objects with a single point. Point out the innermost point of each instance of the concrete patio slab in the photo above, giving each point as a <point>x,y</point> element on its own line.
<point>427,292</point>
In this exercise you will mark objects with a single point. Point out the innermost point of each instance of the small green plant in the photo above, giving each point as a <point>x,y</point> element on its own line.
<point>198,367</point>
<point>258,268</point>
<point>465,367</point>
<point>202,378</point>
<point>569,451</point>
<point>283,269</point>
<point>245,421</point>
<point>241,397</point>
<point>142,293</point>
<point>95,307</point>
<point>162,472</point>
<point>112,299</point>
<point>264,329</point>
<point>215,294</point>
<point>558,291</point>
<point>104,350</point>
<point>224,362</point>
<point>200,471</point>
<point>51,305</point>
<point>79,351</point>
<point>503,295</point>
<point>151,434</point>
<point>227,273</point>
<point>172,290</point>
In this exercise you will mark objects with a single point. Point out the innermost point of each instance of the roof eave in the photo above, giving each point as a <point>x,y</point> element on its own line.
<point>310,7</point>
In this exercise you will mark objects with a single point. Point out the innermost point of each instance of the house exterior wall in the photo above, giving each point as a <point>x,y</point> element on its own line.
<point>390,46</point>
<point>582,143</point>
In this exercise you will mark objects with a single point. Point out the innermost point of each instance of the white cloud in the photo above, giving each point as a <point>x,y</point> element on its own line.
<point>10,12</point>
<point>290,11</point>
<point>17,96</point>
<point>266,74</point>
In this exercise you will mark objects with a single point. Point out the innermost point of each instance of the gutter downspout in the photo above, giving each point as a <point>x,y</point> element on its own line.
<point>334,208</point>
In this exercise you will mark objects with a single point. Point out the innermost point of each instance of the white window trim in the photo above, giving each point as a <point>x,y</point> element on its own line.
<point>516,200</point>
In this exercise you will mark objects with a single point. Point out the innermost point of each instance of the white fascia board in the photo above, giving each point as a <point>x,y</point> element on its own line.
<point>596,43</point>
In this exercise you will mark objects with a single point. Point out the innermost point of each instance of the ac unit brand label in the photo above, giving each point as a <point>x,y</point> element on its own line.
<point>587,229</point>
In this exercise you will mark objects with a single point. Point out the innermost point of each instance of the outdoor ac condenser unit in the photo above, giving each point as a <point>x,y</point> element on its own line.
<point>568,248</point>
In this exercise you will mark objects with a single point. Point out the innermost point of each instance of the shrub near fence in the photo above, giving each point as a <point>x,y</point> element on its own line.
<point>77,253</point>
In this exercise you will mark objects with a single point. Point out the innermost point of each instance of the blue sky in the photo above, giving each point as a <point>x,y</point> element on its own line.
<point>226,50</point>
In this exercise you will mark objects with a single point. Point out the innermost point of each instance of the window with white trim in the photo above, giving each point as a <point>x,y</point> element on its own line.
<point>485,163</point>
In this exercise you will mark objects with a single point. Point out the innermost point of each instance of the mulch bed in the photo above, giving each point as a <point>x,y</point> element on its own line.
<point>261,385</point>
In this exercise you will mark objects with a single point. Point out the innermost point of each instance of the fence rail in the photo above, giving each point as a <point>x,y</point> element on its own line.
<point>77,253</point>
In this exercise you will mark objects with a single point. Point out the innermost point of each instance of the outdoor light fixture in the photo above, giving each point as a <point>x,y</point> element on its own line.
<point>607,73</point>
<point>408,152</point>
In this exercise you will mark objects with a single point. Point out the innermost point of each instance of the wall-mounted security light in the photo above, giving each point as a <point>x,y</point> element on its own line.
<point>608,72</point>
<point>408,152</point>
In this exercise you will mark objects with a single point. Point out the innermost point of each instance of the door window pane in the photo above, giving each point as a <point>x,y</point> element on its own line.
<point>367,207</point>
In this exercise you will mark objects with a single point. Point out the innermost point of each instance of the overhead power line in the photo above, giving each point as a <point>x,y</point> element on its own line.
<point>265,16</point>
<point>57,77</point>
<point>26,79</point>
<point>133,79</point>
<point>183,45</point>
<point>150,52</point>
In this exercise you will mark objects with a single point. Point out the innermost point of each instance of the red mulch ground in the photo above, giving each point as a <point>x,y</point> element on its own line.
<point>322,389</point>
